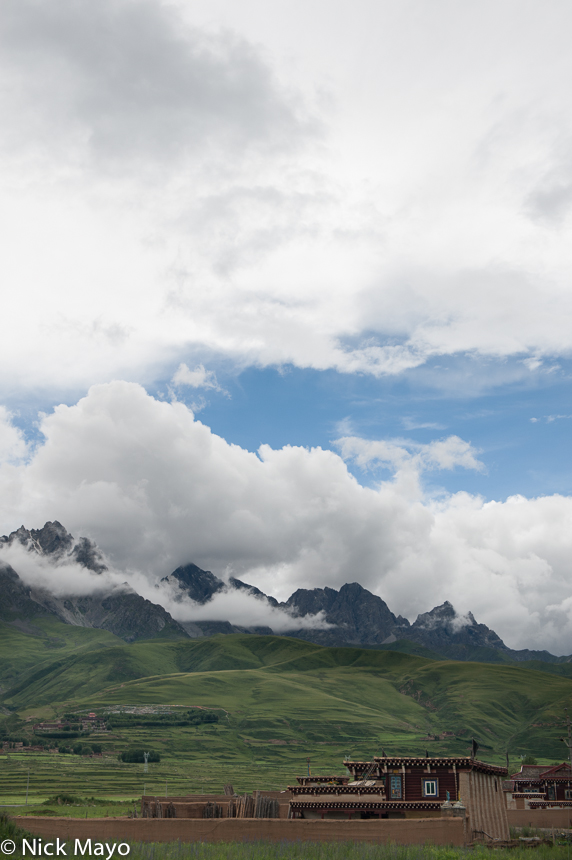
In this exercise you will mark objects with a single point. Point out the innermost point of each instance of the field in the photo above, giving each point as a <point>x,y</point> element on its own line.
<point>279,702</point>
<point>338,851</point>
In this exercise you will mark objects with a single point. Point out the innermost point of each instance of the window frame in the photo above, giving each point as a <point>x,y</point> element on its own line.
<point>433,781</point>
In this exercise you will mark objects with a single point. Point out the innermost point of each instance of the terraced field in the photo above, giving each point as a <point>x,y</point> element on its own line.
<point>279,702</point>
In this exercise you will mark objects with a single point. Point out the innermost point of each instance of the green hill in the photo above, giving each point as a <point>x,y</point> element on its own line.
<point>281,691</point>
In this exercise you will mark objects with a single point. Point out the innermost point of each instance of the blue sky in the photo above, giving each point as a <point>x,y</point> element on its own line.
<point>343,228</point>
<point>521,427</point>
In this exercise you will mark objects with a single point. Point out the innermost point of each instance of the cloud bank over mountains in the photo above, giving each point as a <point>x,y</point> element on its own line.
<point>189,190</point>
<point>155,488</point>
<point>362,200</point>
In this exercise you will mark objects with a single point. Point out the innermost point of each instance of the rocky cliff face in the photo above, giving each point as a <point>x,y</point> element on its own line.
<point>359,617</point>
<point>17,601</point>
<point>121,611</point>
<point>355,615</point>
<point>442,628</point>
<point>55,542</point>
<point>199,585</point>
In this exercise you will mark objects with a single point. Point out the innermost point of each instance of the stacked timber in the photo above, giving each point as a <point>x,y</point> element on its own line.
<point>244,806</point>
<point>229,790</point>
<point>158,810</point>
<point>253,807</point>
<point>212,810</point>
<point>266,807</point>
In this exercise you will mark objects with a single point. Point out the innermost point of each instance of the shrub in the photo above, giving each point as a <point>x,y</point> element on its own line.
<point>63,800</point>
<point>137,757</point>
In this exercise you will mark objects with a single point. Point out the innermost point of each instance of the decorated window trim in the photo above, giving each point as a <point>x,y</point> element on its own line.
<point>395,787</point>
<point>430,787</point>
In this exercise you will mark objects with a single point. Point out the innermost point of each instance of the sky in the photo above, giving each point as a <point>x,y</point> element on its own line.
<point>286,293</point>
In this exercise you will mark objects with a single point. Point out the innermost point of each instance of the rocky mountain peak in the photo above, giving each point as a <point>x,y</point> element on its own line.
<point>52,539</point>
<point>445,614</point>
<point>359,616</point>
<point>355,615</point>
<point>443,628</point>
<point>199,585</point>
<point>55,541</point>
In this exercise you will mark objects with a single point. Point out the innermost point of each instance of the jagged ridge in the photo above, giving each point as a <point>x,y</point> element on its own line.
<point>355,616</point>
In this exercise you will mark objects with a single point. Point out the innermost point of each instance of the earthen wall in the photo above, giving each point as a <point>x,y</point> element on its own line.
<point>540,817</point>
<point>437,831</point>
<point>482,795</point>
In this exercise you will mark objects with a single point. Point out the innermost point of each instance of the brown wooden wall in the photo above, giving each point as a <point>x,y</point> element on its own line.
<point>414,782</point>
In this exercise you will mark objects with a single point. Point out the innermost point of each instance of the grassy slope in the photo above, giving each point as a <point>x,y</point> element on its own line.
<point>49,642</point>
<point>281,701</point>
<point>288,690</point>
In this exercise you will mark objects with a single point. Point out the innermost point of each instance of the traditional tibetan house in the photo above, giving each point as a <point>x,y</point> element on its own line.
<point>540,787</point>
<point>410,787</point>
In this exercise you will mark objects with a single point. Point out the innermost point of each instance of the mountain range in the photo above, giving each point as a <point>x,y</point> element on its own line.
<point>353,614</point>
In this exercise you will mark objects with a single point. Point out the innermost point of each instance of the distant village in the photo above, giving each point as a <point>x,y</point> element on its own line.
<point>71,727</point>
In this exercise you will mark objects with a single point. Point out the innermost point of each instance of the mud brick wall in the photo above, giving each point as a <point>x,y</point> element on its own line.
<point>437,831</point>
<point>558,818</point>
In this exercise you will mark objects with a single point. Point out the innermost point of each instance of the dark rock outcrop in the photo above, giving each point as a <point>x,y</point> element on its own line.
<point>121,610</point>
<point>357,615</point>
<point>442,628</point>
<point>17,602</point>
<point>86,553</point>
<point>199,585</point>
<point>58,544</point>
<point>353,614</point>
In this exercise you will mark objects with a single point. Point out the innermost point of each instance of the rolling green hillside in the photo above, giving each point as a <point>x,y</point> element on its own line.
<point>44,642</point>
<point>285,692</point>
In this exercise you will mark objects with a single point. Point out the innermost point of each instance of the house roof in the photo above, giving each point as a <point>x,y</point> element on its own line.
<point>460,762</point>
<point>563,770</point>
<point>537,772</point>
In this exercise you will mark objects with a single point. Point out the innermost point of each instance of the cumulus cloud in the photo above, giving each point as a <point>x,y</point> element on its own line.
<point>13,446</point>
<point>406,454</point>
<point>155,488</point>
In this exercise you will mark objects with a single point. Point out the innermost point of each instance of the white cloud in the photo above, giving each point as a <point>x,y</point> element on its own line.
<point>237,606</point>
<point>173,184</point>
<point>400,454</point>
<point>197,378</point>
<point>156,488</point>
<point>65,578</point>
<point>13,446</point>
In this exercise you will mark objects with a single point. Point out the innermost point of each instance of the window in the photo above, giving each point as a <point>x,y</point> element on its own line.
<point>568,793</point>
<point>430,788</point>
<point>395,788</point>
